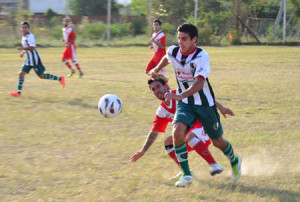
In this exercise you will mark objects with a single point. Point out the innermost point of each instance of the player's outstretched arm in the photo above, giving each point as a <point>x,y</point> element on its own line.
<point>163,62</point>
<point>224,110</point>
<point>149,141</point>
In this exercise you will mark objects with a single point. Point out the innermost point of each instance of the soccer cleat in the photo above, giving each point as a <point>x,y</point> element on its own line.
<point>236,170</point>
<point>72,73</point>
<point>215,168</point>
<point>178,176</point>
<point>62,81</point>
<point>184,181</point>
<point>80,75</point>
<point>16,94</point>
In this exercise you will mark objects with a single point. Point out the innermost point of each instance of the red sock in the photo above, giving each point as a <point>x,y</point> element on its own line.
<point>78,67</point>
<point>202,149</point>
<point>68,65</point>
<point>173,156</point>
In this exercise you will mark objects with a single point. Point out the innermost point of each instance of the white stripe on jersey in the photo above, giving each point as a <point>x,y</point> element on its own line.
<point>157,36</point>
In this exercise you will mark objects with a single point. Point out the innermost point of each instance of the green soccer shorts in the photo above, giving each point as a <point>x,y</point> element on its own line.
<point>208,116</point>
<point>38,69</point>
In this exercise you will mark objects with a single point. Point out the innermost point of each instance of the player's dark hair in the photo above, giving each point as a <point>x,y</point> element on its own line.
<point>150,81</point>
<point>25,23</point>
<point>158,21</point>
<point>188,28</point>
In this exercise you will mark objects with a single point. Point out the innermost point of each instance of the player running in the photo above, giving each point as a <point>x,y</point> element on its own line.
<point>33,60</point>
<point>158,40</point>
<point>195,100</point>
<point>195,138</point>
<point>69,53</point>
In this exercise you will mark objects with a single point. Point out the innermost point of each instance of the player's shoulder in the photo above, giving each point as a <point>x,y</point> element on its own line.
<point>172,48</point>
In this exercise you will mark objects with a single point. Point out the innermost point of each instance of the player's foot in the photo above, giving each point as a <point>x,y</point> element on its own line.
<point>62,81</point>
<point>215,168</point>
<point>80,75</point>
<point>16,94</point>
<point>184,181</point>
<point>178,176</point>
<point>236,170</point>
<point>72,73</point>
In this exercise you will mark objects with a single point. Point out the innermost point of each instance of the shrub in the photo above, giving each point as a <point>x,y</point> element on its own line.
<point>138,26</point>
<point>94,30</point>
<point>120,29</point>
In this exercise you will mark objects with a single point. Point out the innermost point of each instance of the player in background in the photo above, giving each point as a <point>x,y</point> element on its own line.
<point>158,40</point>
<point>195,100</point>
<point>69,53</point>
<point>33,60</point>
<point>195,138</point>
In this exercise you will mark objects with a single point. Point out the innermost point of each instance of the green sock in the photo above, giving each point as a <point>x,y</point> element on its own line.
<point>230,154</point>
<point>20,85</point>
<point>182,157</point>
<point>51,77</point>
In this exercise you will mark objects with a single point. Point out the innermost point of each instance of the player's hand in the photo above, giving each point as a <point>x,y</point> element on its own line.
<point>225,111</point>
<point>67,45</point>
<point>137,155</point>
<point>153,73</point>
<point>170,96</point>
<point>19,48</point>
<point>151,46</point>
<point>22,54</point>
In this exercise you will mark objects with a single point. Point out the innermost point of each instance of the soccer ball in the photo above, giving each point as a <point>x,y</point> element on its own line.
<point>110,105</point>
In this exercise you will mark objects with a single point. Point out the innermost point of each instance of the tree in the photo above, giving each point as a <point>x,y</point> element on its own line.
<point>92,7</point>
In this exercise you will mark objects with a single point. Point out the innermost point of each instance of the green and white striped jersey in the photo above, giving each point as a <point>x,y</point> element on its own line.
<point>32,57</point>
<point>189,66</point>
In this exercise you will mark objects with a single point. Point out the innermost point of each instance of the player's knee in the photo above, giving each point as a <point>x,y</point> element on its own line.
<point>220,143</point>
<point>42,76</point>
<point>168,141</point>
<point>22,74</point>
<point>64,61</point>
<point>189,136</point>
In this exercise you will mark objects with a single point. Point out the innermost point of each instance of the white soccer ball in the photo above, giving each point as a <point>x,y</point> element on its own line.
<point>110,105</point>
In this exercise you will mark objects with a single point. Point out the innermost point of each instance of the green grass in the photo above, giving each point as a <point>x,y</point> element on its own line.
<point>55,146</point>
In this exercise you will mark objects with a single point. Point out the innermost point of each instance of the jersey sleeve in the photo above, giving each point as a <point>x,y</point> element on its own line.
<point>202,66</point>
<point>160,124</point>
<point>31,41</point>
<point>169,53</point>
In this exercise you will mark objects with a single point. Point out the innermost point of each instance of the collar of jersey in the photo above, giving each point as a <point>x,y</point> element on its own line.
<point>189,52</point>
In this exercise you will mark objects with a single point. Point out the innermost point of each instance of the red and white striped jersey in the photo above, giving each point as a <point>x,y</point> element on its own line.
<point>161,38</point>
<point>68,34</point>
<point>164,115</point>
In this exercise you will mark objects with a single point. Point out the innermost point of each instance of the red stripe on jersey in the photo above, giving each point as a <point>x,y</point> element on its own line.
<point>189,52</point>
<point>173,107</point>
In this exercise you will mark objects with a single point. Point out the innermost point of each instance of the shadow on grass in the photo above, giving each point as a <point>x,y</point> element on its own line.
<point>282,195</point>
<point>72,102</point>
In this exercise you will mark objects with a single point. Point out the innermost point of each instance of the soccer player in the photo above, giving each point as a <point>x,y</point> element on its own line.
<point>158,40</point>
<point>195,138</point>
<point>69,53</point>
<point>33,60</point>
<point>195,100</point>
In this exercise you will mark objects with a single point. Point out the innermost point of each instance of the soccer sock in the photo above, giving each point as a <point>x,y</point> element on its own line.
<point>230,154</point>
<point>202,149</point>
<point>68,65</point>
<point>170,151</point>
<point>52,77</point>
<point>77,66</point>
<point>20,84</point>
<point>182,157</point>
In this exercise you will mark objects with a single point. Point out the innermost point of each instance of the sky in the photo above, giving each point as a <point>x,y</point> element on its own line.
<point>123,1</point>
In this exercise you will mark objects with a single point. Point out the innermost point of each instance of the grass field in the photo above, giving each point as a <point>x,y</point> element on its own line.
<point>55,146</point>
